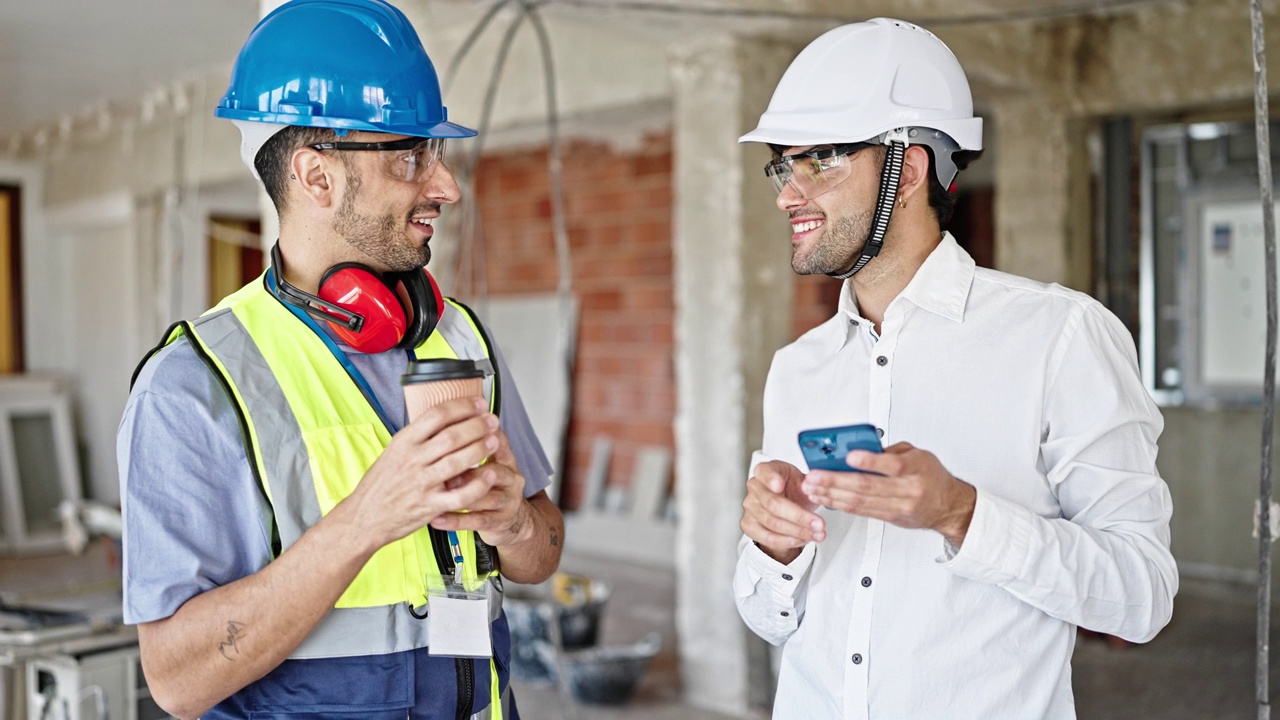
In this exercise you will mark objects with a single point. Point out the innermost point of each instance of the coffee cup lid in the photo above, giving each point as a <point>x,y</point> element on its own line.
<point>445,369</point>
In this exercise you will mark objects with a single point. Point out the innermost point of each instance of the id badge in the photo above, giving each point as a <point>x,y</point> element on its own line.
<point>459,621</point>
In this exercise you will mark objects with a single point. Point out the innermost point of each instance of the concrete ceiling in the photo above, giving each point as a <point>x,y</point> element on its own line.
<point>60,57</point>
<point>800,20</point>
<point>64,58</point>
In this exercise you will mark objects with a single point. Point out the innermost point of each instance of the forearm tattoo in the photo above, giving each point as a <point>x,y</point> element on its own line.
<point>230,647</point>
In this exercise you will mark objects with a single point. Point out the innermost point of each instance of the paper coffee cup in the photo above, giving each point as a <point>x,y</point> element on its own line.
<point>431,382</point>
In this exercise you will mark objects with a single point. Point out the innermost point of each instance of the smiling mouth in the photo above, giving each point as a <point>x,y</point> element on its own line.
<point>800,228</point>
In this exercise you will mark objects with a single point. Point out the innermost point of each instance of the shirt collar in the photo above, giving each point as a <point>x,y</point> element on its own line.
<point>940,285</point>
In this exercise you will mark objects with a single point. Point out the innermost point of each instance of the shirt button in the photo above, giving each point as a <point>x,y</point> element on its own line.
<point>786,614</point>
<point>786,576</point>
<point>866,582</point>
<point>882,361</point>
<point>857,658</point>
<point>879,432</point>
<point>853,322</point>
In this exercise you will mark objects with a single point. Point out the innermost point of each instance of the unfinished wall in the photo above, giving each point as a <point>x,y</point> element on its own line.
<point>618,208</point>
<point>1170,59</point>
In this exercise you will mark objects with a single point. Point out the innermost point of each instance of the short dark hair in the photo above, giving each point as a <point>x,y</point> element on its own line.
<point>272,161</point>
<point>943,200</point>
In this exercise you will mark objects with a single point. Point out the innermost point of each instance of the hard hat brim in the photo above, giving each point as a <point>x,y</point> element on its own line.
<point>442,129</point>
<point>966,132</point>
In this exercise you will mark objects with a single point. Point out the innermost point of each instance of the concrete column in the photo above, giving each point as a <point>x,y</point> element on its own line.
<point>1032,187</point>
<point>733,307</point>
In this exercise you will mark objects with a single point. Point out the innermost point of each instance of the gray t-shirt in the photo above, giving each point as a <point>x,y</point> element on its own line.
<point>194,515</point>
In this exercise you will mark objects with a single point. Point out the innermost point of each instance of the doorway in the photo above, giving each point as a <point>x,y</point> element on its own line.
<point>10,280</point>
<point>235,254</point>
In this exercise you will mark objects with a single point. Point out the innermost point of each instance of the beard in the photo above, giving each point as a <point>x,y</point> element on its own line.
<point>837,249</point>
<point>384,238</point>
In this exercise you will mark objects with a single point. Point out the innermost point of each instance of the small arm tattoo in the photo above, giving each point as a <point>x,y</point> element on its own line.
<point>235,631</point>
<point>555,538</point>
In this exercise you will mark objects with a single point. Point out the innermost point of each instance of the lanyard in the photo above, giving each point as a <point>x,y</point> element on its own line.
<point>352,371</point>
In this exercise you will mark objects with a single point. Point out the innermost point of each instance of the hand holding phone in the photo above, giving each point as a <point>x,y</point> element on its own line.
<point>826,448</point>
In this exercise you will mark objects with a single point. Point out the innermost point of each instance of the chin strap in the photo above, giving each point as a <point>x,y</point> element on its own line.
<point>889,178</point>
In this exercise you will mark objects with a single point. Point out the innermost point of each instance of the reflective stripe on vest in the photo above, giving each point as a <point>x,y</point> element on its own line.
<point>312,435</point>
<point>503,702</point>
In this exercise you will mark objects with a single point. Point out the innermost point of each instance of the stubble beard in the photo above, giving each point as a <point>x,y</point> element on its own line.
<point>384,238</point>
<point>841,242</point>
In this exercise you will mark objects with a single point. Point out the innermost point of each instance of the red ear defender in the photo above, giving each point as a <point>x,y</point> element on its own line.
<point>425,303</point>
<point>370,312</point>
<point>362,292</point>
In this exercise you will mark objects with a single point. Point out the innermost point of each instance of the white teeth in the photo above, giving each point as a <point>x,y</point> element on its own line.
<point>805,226</point>
<point>422,221</point>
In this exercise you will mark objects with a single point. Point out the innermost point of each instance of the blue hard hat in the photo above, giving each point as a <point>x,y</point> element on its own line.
<point>341,64</point>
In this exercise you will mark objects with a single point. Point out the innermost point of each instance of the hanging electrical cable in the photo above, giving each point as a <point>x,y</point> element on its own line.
<point>1262,130</point>
<point>1037,14</point>
<point>471,226</point>
<point>466,225</point>
<point>473,233</point>
<point>555,166</point>
<point>469,42</point>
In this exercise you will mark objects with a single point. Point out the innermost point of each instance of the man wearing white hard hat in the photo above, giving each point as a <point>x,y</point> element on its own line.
<point>1016,496</point>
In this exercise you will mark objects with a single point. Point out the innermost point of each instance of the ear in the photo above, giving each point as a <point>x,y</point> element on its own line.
<point>915,175</point>
<point>311,173</point>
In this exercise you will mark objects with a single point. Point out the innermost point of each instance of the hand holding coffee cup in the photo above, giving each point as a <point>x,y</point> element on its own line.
<point>431,382</point>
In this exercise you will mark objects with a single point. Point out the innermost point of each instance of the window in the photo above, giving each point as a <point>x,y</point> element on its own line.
<point>38,464</point>
<point>1202,287</point>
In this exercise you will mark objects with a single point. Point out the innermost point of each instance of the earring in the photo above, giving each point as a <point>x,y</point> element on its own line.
<point>293,177</point>
<point>901,202</point>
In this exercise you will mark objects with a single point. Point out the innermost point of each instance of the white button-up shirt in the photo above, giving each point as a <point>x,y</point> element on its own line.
<point>1031,393</point>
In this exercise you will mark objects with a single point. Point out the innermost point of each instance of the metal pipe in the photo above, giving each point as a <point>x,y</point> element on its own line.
<point>1262,129</point>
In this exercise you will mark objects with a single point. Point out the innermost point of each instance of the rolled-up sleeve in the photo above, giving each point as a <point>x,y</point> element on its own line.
<point>1105,563</point>
<point>194,517</point>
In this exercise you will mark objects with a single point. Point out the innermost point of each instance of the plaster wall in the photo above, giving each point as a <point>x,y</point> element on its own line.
<point>1191,59</point>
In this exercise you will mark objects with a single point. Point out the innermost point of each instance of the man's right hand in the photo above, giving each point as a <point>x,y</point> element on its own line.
<point>409,485</point>
<point>263,617</point>
<point>777,515</point>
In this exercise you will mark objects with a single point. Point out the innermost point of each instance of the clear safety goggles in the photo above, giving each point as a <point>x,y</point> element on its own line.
<point>413,159</point>
<point>814,172</point>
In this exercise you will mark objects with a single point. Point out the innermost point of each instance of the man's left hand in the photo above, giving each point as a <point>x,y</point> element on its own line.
<point>913,490</point>
<point>502,516</point>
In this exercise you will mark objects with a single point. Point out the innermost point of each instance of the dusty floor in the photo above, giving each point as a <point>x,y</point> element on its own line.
<point>1201,666</point>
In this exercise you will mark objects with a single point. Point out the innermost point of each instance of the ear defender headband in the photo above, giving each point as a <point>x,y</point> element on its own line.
<point>369,311</point>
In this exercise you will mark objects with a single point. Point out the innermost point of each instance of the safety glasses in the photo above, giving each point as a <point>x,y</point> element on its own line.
<point>814,172</point>
<point>412,159</point>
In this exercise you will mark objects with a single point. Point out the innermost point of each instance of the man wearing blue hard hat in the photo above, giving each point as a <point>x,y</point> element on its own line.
<point>298,542</point>
<point>1016,494</point>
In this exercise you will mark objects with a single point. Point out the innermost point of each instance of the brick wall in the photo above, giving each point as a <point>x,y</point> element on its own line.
<point>618,214</point>
<point>816,297</point>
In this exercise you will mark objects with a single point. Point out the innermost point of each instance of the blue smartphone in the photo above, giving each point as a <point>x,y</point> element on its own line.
<point>826,448</point>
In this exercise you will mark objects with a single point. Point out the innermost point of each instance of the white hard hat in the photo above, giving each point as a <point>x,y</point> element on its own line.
<point>858,82</point>
<point>253,135</point>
